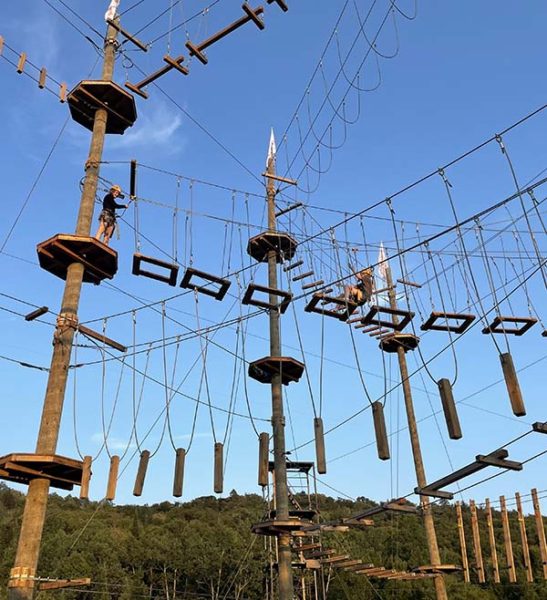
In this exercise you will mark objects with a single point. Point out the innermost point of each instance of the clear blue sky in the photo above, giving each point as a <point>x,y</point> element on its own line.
<point>461,72</point>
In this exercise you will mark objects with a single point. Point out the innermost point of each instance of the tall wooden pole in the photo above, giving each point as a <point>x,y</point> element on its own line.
<point>492,539</point>
<point>429,524</point>
<point>30,536</point>
<point>463,545</point>
<point>524,540</point>
<point>541,531</point>
<point>511,572</point>
<point>278,420</point>
<point>477,541</point>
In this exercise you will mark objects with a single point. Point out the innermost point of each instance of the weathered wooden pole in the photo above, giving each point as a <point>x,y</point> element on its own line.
<point>511,573</point>
<point>477,542</point>
<point>524,540</point>
<point>429,524</point>
<point>492,539</point>
<point>541,531</point>
<point>285,577</point>
<point>463,545</point>
<point>30,536</point>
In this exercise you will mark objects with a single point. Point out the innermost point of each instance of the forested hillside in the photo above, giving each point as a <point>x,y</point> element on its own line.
<point>204,549</point>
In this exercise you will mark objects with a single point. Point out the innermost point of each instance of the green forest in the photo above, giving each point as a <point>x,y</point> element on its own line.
<point>205,549</point>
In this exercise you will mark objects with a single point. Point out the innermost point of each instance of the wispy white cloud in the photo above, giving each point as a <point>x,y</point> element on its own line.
<point>114,443</point>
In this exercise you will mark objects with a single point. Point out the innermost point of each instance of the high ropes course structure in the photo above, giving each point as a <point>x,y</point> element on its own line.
<point>296,326</point>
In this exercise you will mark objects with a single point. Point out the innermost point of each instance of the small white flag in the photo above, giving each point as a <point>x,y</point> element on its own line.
<point>110,14</point>
<point>382,262</point>
<point>271,148</point>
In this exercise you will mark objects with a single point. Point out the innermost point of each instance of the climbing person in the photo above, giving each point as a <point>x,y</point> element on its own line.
<point>361,292</point>
<point>107,218</point>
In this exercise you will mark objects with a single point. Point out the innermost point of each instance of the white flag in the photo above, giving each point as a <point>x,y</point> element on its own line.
<point>110,14</point>
<point>271,148</point>
<point>382,262</point>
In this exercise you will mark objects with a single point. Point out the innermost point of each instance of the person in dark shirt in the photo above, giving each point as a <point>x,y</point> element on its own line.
<point>107,218</point>
<point>360,292</point>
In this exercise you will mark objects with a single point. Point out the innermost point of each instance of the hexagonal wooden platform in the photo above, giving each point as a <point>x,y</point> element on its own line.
<point>282,243</point>
<point>265,368</point>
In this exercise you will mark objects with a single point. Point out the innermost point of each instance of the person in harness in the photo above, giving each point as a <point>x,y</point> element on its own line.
<point>361,292</point>
<point>107,218</point>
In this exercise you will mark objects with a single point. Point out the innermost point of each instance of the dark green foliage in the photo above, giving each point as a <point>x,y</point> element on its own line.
<point>204,549</point>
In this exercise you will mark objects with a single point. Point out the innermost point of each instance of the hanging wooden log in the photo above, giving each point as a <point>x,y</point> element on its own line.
<point>382,443</point>
<point>463,545</point>
<point>42,78</point>
<point>524,540</point>
<point>112,477</point>
<point>320,456</point>
<point>449,409</point>
<point>21,62</point>
<point>219,473</point>
<point>477,542</point>
<point>541,531</point>
<point>86,476</point>
<point>492,540</point>
<point>141,473</point>
<point>263,456</point>
<point>133,179</point>
<point>512,383</point>
<point>179,472</point>
<point>511,573</point>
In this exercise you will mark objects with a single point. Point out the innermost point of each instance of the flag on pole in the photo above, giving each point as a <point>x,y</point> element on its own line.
<point>382,262</point>
<point>271,148</point>
<point>110,14</point>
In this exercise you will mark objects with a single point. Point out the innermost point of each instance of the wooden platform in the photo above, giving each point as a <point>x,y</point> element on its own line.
<point>64,473</point>
<point>88,96</point>
<point>282,243</point>
<point>437,569</point>
<point>393,341</point>
<point>306,514</point>
<point>265,368</point>
<point>274,527</point>
<point>99,260</point>
<point>295,466</point>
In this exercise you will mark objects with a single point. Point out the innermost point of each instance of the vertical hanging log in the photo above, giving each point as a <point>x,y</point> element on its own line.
<point>21,62</point>
<point>141,473</point>
<point>449,409</point>
<point>42,79</point>
<point>492,539</point>
<point>219,474</point>
<point>477,541</point>
<point>179,472</point>
<point>524,540</point>
<point>86,476</point>
<point>541,531</point>
<point>382,444</point>
<point>508,543</point>
<point>263,455</point>
<point>320,457</point>
<point>62,93</point>
<point>512,383</point>
<point>112,477</point>
<point>463,545</point>
<point>133,179</point>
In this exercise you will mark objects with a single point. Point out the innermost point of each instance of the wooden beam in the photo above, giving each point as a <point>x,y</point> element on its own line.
<point>218,471</point>
<point>463,545</point>
<point>21,62</point>
<point>112,477</point>
<point>492,539</point>
<point>86,477</point>
<point>320,457</point>
<point>36,313</point>
<point>540,531</point>
<point>57,584</point>
<point>42,79</point>
<point>127,35</point>
<point>512,383</point>
<point>283,180</point>
<point>263,456</point>
<point>101,338</point>
<point>508,543</point>
<point>524,540</point>
<point>179,472</point>
<point>477,542</point>
<point>62,93</point>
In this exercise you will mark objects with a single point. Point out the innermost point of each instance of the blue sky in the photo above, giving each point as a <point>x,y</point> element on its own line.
<point>459,74</point>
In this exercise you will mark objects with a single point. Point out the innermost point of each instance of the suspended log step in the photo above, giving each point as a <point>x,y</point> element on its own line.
<point>400,505</point>
<point>453,322</point>
<point>443,569</point>
<point>262,244</point>
<point>294,206</point>
<point>86,477</point>
<point>172,63</point>
<point>249,298</point>
<point>263,455</point>
<point>281,3</point>
<point>494,459</point>
<point>141,473</point>
<point>219,468</point>
<point>325,552</point>
<point>344,564</point>
<point>218,292</point>
<point>512,384</point>
<point>37,313</point>
<point>391,343</point>
<point>539,427</point>
<point>319,445</point>
<point>307,548</point>
<point>178,478</point>
<point>410,283</point>
<point>88,96</point>
<point>313,284</point>
<point>344,308</point>
<point>112,483</point>
<point>498,325</point>
<point>264,369</point>
<point>334,559</point>
<point>57,253</point>
<point>293,265</point>
<point>172,270</point>
<point>449,409</point>
<point>380,431</point>
<point>379,332</point>
<point>62,472</point>
<point>277,527</point>
<point>303,275</point>
<point>372,317</point>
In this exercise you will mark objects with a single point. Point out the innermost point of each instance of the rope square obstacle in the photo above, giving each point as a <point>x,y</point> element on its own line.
<point>375,309</point>
<point>217,294</point>
<point>345,307</point>
<point>497,325</point>
<point>458,327</point>
<point>282,307</point>
<point>173,270</point>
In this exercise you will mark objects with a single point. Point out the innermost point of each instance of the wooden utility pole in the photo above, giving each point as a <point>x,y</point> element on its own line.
<point>278,420</point>
<point>477,542</point>
<point>463,545</point>
<point>492,538</point>
<point>524,541</point>
<point>429,524</point>
<point>511,572</point>
<point>30,536</point>
<point>541,531</point>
